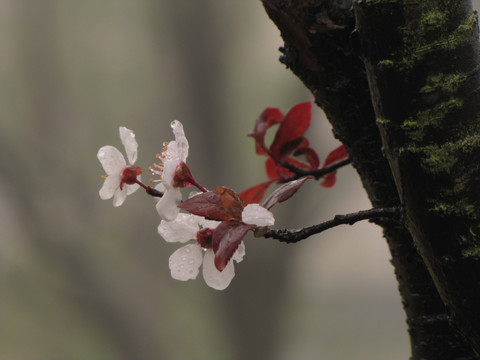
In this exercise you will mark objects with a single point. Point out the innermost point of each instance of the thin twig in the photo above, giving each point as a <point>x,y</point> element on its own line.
<point>293,236</point>
<point>316,173</point>
<point>153,192</point>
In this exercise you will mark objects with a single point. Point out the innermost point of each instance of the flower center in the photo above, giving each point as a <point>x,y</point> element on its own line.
<point>157,168</point>
<point>204,238</point>
<point>129,175</point>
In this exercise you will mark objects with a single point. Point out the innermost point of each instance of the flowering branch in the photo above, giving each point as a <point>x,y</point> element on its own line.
<point>214,223</point>
<point>296,235</point>
<point>316,173</point>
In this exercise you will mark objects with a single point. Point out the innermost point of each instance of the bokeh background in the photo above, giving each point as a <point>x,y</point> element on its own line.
<point>80,279</point>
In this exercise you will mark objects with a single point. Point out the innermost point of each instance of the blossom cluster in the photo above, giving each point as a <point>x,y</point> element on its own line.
<point>213,224</point>
<point>205,237</point>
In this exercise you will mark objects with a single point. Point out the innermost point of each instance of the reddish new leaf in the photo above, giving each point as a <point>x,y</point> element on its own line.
<point>329,180</point>
<point>273,170</point>
<point>255,194</point>
<point>288,148</point>
<point>294,125</point>
<point>297,163</point>
<point>231,202</point>
<point>283,193</point>
<point>225,240</point>
<point>336,155</point>
<point>310,154</point>
<point>214,206</point>
<point>269,117</point>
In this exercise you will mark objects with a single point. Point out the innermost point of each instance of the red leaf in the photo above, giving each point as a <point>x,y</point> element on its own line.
<point>277,172</point>
<point>293,126</point>
<point>288,148</point>
<point>329,180</point>
<point>255,194</point>
<point>311,157</point>
<point>225,240</point>
<point>310,154</point>
<point>297,163</point>
<point>336,155</point>
<point>231,201</point>
<point>215,206</point>
<point>282,193</point>
<point>269,117</point>
<point>271,168</point>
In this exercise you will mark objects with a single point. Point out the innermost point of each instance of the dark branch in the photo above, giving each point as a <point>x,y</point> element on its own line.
<point>317,173</point>
<point>293,236</point>
<point>153,192</point>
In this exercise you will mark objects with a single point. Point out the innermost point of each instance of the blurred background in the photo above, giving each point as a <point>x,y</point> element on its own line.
<point>80,279</point>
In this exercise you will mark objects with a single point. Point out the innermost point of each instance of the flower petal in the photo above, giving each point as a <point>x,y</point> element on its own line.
<point>218,280</point>
<point>240,253</point>
<point>181,140</point>
<point>128,140</point>
<point>182,229</point>
<point>159,187</point>
<point>167,205</point>
<point>169,166</point>
<point>111,159</point>
<point>111,183</point>
<point>185,262</point>
<point>211,224</point>
<point>131,188</point>
<point>254,214</point>
<point>119,197</point>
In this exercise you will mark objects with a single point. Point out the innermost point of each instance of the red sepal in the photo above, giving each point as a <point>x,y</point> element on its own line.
<point>225,241</point>
<point>129,175</point>
<point>183,176</point>
<point>204,238</point>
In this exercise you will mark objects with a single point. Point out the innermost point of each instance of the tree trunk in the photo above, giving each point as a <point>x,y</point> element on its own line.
<point>422,61</point>
<point>318,37</point>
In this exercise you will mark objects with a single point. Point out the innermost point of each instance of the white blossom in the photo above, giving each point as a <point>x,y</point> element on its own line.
<point>114,164</point>
<point>173,155</point>
<point>185,262</point>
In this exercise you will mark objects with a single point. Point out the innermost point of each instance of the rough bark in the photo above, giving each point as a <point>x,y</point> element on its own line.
<point>318,50</point>
<point>422,62</point>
